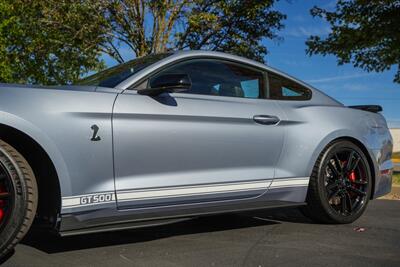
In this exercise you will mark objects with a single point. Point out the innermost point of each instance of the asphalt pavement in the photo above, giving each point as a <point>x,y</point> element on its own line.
<point>263,238</point>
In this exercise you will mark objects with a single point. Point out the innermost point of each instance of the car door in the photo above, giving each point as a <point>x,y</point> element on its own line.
<point>218,141</point>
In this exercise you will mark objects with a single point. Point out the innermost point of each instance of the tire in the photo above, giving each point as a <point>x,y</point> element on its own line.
<point>325,182</point>
<point>22,200</point>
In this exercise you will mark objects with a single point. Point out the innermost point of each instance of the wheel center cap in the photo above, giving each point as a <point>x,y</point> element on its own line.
<point>343,182</point>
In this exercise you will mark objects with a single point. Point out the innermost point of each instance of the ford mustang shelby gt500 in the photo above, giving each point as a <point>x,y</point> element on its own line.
<point>172,136</point>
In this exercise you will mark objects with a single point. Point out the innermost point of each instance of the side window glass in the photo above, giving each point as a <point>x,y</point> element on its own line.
<point>251,88</point>
<point>281,88</point>
<point>220,78</point>
<point>288,92</point>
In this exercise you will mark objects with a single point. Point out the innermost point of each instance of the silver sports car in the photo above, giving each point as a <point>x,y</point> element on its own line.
<point>172,136</point>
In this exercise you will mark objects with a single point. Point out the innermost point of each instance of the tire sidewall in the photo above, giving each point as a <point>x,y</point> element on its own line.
<point>19,203</point>
<point>321,182</point>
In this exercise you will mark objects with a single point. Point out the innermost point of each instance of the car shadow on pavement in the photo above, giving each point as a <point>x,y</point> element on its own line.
<point>49,243</point>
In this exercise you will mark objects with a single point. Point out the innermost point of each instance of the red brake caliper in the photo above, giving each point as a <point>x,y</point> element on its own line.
<point>1,204</point>
<point>352,176</point>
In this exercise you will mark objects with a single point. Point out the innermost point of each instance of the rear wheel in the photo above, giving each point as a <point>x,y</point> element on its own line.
<point>340,185</point>
<point>18,197</point>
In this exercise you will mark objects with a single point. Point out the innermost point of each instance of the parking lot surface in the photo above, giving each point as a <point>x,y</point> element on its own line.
<point>263,238</point>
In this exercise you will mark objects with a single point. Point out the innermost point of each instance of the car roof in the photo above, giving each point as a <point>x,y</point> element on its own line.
<point>215,54</point>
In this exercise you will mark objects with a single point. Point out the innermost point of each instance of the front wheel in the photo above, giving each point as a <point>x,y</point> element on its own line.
<point>18,197</point>
<point>340,184</point>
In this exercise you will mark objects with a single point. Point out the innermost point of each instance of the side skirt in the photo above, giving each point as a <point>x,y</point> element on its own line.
<point>73,225</point>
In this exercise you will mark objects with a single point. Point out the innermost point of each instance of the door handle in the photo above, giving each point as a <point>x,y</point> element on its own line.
<point>266,119</point>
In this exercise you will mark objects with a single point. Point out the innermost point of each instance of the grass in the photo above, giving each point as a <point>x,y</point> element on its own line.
<point>396,175</point>
<point>396,178</point>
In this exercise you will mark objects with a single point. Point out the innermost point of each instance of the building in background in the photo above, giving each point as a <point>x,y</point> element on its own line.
<point>396,148</point>
<point>396,139</point>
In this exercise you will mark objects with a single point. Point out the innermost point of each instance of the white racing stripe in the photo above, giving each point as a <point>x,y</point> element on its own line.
<point>76,201</point>
<point>181,191</point>
<point>290,182</point>
<point>192,190</point>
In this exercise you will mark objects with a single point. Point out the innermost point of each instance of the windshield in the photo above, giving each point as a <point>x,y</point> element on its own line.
<point>113,76</point>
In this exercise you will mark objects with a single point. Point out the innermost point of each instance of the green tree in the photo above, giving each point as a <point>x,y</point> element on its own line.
<point>234,26</point>
<point>364,32</point>
<point>58,41</point>
<point>49,42</point>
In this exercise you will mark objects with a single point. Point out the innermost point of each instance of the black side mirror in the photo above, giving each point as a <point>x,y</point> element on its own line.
<point>168,83</point>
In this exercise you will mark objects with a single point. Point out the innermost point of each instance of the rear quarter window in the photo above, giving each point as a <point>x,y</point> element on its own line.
<point>281,88</point>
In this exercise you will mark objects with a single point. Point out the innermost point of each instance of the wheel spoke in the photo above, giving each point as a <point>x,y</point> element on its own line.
<point>352,161</point>
<point>354,164</point>
<point>349,204</point>
<point>349,161</point>
<point>357,191</point>
<point>334,169</point>
<point>334,193</point>
<point>4,195</point>
<point>355,202</point>
<point>331,186</point>
<point>344,204</point>
<point>361,182</point>
<point>338,165</point>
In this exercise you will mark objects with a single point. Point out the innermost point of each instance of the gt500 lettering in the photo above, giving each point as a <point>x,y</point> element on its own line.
<point>93,199</point>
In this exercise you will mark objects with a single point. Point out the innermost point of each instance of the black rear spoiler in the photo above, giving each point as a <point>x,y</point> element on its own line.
<point>370,108</point>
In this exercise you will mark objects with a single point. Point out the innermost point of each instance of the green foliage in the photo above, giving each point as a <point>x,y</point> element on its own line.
<point>49,41</point>
<point>365,33</point>
<point>396,178</point>
<point>234,26</point>
<point>56,42</point>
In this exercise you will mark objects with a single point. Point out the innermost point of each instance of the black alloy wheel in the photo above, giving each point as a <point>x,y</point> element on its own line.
<point>340,185</point>
<point>345,181</point>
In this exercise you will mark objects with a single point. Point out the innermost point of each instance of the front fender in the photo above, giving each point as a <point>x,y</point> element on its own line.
<point>45,142</point>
